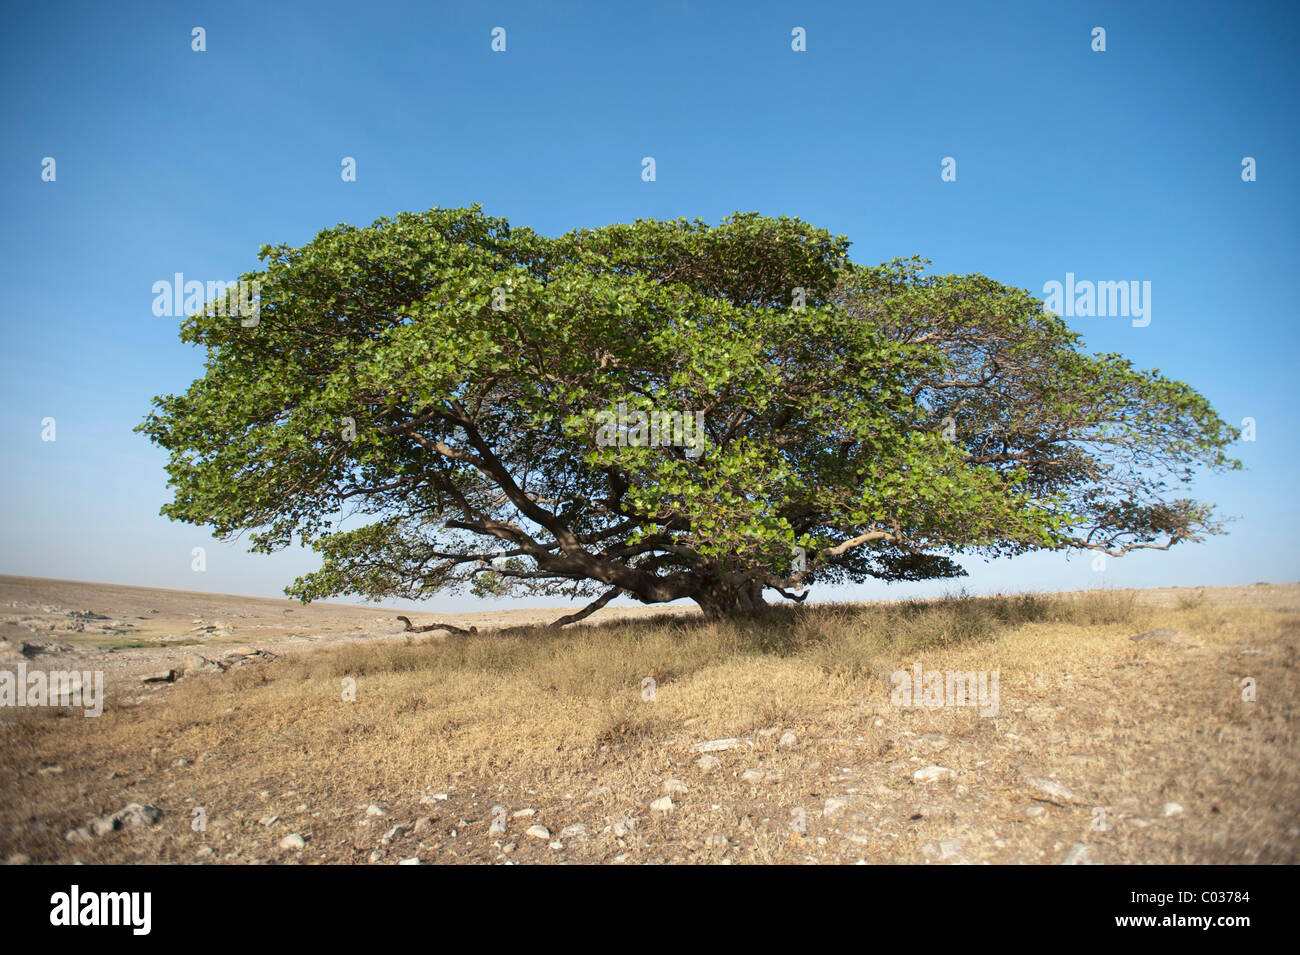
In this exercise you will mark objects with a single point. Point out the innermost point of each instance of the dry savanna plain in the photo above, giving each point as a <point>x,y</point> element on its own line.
<point>250,731</point>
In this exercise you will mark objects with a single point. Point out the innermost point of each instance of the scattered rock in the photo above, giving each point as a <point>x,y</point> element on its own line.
<point>932,774</point>
<point>1173,809</point>
<point>944,851</point>
<point>375,812</point>
<point>1033,812</point>
<point>1051,789</point>
<point>239,656</point>
<point>268,820</point>
<point>425,824</point>
<point>524,813</point>
<point>131,816</point>
<point>576,831</point>
<point>193,663</point>
<point>293,841</point>
<point>717,841</point>
<point>1078,855</point>
<point>708,764</point>
<point>394,833</point>
<point>718,745</point>
<point>414,860</point>
<point>787,739</point>
<point>674,786</point>
<point>662,804</point>
<point>538,832</point>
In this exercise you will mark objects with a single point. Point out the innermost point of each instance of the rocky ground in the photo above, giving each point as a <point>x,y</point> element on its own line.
<point>134,634</point>
<point>1115,744</point>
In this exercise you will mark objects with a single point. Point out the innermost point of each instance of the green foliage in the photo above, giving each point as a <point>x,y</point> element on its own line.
<point>438,380</point>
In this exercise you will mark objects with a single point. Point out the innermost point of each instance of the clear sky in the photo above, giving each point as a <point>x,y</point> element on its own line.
<point>1117,165</point>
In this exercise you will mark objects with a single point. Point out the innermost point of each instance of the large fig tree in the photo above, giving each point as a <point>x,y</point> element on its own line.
<point>443,401</point>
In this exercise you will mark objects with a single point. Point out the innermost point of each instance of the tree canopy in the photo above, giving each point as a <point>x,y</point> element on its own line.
<point>433,403</point>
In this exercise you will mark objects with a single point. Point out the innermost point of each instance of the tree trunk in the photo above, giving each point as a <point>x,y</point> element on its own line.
<point>721,601</point>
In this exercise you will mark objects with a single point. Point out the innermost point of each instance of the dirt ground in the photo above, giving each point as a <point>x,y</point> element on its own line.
<point>131,631</point>
<point>1180,747</point>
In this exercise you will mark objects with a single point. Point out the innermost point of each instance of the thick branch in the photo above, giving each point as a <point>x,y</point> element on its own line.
<point>434,626</point>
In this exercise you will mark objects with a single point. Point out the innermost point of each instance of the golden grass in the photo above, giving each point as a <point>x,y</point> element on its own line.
<point>535,711</point>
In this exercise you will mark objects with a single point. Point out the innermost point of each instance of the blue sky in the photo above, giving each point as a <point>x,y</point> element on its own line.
<point>1122,165</point>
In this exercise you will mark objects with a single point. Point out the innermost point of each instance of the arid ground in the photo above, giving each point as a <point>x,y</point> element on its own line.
<point>269,732</point>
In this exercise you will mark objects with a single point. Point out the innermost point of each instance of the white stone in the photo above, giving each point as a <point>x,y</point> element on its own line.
<point>718,745</point>
<point>950,848</point>
<point>1052,789</point>
<point>1078,855</point>
<point>932,774</point>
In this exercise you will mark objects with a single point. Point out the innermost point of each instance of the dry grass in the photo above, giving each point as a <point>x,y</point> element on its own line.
<point>556,722</point>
